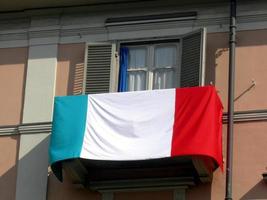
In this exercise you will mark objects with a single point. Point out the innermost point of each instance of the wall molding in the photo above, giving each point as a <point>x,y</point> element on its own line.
<point>29,128</point>
<point>9,33</point>
<point>247,116</point>
<point>46,127</point>
<point>9,130</point>
<point>69,27</point>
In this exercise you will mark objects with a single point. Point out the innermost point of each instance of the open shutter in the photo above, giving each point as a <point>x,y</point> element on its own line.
<point>193,59</point>
<point>99,71</point>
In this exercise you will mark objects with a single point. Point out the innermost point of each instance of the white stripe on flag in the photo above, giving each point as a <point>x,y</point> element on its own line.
<point>129,126</point>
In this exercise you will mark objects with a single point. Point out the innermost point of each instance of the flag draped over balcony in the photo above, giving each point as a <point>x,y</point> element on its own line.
<point>138,125</point>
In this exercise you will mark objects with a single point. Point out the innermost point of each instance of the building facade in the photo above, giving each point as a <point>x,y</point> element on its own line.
<point>45,51</point>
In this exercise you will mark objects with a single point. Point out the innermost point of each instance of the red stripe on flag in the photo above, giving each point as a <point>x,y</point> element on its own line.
<point>197,126</point>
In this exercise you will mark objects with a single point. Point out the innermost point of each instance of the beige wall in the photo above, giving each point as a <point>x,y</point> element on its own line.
<point>70,69</point>
<point>251,64</point>
<point>13,63</point>
<point>8,170</point>
<point>250,139</point>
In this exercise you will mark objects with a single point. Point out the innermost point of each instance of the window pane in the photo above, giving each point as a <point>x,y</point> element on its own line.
<point>137,57</point>
<point>136,81</point>
<point>165,56</point>
<point>163,79</point>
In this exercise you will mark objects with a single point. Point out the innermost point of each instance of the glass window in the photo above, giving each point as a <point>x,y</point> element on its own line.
<point>137,57</point>
<point>136,81</point>
<point>165,56</point>
<point>137,69</point>
<point>153,66</point>
<point>163,79</point>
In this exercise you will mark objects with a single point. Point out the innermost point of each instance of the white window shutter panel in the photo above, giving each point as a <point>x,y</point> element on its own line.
<point>193,59</point>
<point>99,68</point>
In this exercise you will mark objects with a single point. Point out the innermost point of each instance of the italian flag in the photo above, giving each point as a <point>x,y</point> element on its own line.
<point>138,125</point>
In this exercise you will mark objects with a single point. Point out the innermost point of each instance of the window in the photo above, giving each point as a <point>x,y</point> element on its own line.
<point>152,64</point>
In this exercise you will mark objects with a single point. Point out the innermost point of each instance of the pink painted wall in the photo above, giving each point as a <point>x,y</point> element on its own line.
<point>70,69</point>
<point>250,139</point>
<point>13,63</point>
<point>9,146</point>
<point>251,64</point>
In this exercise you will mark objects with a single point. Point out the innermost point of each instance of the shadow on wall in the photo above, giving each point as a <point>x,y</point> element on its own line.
<point>33,173</point>
<point>68,191</point>
<point>259,191</point>
<point>70,69</point>
<point>8,178</point>
<point>32,166</point>
<point>217,44</point>
<point>76,79</point>
<point>31,169</point>
<point>215,48</point>
<point>199,192</point>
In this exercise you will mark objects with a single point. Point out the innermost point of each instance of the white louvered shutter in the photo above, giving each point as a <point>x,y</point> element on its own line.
<point>193,59</point>
<point>97,76</point>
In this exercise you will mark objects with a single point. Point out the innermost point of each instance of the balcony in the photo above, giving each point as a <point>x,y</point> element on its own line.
<point>148,139</point>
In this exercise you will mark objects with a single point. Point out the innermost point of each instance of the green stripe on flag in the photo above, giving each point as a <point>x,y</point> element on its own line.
<point>68,127</point>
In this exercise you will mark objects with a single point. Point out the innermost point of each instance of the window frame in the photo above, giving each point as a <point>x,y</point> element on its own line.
<point>151,44</point>
<point>115,65</point>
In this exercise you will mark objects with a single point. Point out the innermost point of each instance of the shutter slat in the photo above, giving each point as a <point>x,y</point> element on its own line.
<point>98,63</point>
<point>191,59</point>
<point>98,69</point>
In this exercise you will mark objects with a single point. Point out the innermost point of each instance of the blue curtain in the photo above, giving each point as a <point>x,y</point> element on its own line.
<point>124,54</point>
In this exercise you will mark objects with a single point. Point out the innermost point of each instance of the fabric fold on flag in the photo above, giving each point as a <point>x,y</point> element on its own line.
<point>138,125</point>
